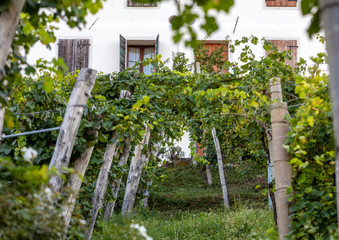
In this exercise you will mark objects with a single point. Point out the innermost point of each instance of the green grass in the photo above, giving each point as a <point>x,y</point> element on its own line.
<point>183,207</point>
<point>184,189</point>
<point>241,223</point>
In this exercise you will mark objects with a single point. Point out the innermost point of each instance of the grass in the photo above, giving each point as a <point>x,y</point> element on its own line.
<point>183,207</point>
<point>241,223</point>
<point>184,189</point>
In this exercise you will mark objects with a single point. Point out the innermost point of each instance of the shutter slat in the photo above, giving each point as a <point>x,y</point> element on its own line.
<point>157,45</point>
<point>281,3</point>
<point>81,53</point>
<point>122,53</point>
<point>65,52</point>
<point>287,45</point>
<point>291,3</point>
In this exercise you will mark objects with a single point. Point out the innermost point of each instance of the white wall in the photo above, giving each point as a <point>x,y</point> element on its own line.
<point>145,23</point>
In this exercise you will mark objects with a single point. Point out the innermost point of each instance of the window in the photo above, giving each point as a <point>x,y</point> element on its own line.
<point>139,53</point>
<point>281,3</point>
<point>131,3</point>
<point>287,45</point>
<point>75,53</point>
<point>132,51</point>
<point>212,55</point>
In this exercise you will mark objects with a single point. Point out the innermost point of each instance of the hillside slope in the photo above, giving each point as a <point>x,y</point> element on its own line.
<point>184,207</point>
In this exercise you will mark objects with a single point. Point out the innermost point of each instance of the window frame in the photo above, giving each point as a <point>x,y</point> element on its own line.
<point>124,43</point>
<point>132,4</point>
<point>142,50</point>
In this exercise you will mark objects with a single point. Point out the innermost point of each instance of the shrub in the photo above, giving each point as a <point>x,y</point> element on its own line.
<point>26,212</point>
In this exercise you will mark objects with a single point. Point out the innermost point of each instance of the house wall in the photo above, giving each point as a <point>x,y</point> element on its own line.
<point>142,23</point>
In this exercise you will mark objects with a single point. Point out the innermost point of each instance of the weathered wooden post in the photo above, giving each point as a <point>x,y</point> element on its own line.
<point>70,125</point>
<point>102,181</point>
<point>116,182</point>
<point>209,175</point>
<point>282,168</point>
<point>75,180</point>
<point>134,174</point>
<point>2,121</point>
<point>329,13</point>
<point>221,168</point>
<point>8,24</point>
<point>146,192</point>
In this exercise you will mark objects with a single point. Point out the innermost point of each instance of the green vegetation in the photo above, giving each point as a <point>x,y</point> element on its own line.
<point>170,101</point>
<point>184,189</point>
<point>311,147</point>
<point>193,212</point>
<point>183,207</point>
<point>26,204</point>
<point>241,223</point>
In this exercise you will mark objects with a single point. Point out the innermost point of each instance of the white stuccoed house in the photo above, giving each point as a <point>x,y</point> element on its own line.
<point>124,32</point>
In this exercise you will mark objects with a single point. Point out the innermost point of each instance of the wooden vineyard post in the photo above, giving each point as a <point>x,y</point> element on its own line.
<point>145,194</point>
<point>147,190</point>
<point>75,181</point>
<point>209,175</point>
<point>8,24</point>
<point>116,182</point>
<point>282,168</point>
<point>102,181</point>
<point>70,125</point>
<point>270,173</point>
<point>134,174</point>
<point>329,16</point>
<point>2,120</point>
<point>221,168</point>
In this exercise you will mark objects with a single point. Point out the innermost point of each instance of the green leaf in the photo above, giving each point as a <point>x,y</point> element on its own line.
<point>254,104</point>
<point>306,6</point>
<point>310,120</point>
<point>48,85</point>
<point>315,24</point>
<point>103,137</point>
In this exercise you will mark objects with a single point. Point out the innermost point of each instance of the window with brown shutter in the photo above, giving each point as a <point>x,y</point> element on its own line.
<point>281,3</point>
<point>75,53</point>
<point>216,49</point>
<point>287,45</point>
<point>131,3</point>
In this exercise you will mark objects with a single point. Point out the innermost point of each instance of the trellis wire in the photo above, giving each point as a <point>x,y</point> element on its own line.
<point>31,132</point>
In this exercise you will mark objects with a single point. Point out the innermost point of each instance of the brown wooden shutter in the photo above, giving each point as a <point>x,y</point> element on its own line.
<point>65,52</point>
<point>287,45</point>
<point>291,3</point>
<point>81,53</point>
<point>122,53</point>
<point>292,45</point>
<point>75,53</point>
<point>271,3</point>
<point>211,47</point>
<point>281,3</point>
